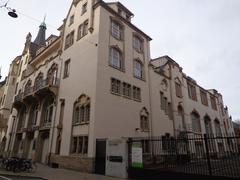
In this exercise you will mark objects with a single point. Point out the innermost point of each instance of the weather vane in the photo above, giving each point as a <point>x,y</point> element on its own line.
<point>11,12</point>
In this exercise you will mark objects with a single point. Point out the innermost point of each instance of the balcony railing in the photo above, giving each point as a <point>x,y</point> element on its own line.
<point>18,97</point>
<point>27,91</point>
<point>45,83</point>
<point>38,86</point>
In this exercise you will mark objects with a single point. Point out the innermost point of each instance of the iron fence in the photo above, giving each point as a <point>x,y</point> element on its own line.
<point>190,153</point>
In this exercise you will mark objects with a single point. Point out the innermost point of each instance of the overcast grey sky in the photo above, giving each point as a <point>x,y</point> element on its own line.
<point>203,36</point>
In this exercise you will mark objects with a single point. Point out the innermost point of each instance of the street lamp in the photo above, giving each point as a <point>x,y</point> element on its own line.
<point>11,12</point>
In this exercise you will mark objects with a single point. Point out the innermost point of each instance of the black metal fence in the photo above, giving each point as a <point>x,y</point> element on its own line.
<point>189,154</point>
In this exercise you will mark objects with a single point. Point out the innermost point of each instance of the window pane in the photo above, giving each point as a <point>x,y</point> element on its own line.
<point>115,58</point>
<point>80,144</point>
<point>85,150</point>
<point>116,31</point>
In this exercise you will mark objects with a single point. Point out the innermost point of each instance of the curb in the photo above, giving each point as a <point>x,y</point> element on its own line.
<point>22,176</point>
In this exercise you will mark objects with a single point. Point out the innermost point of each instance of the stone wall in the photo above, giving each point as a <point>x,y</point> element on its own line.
<point>83,164</point>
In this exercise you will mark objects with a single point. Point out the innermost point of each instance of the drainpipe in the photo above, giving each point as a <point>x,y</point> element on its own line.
<point>91,17</point>
<point>171,96</point>
<point>55,113</point>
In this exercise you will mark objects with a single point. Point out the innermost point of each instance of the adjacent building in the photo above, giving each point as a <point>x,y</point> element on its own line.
<point>95,81</point>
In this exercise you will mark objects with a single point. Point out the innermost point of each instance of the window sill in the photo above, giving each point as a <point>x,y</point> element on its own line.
<point>142,79</point>
<point>138,51</point>
<point>81,37</point>
<point>145,130</point>
<point>119,39</point>
<point>137,100</point>
<point>65,77</point>
<point>81,123</point>
<point>120,69</point>
<point>80,155</point>
<point>117,94</point>
<point>127,97</point>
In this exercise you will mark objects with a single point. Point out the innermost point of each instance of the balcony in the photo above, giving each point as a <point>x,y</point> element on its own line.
<point>46,85</point>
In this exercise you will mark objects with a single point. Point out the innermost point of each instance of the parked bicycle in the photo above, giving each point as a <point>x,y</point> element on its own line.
<point>16,164</point>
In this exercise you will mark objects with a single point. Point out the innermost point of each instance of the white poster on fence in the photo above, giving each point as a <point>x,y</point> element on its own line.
<point>137,160</point>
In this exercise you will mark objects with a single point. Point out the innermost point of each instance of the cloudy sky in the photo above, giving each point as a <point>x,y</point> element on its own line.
<point>203,36</point>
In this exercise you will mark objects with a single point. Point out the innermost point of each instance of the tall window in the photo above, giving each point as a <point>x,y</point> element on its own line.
<point>81,112</point>
<point>217,127</point>
<point>144,122</point>
<point>138,69</point>
<point>126,89</point>
<point>84,8</point>
<point>117,30</point>
<point>116,59</point>
<point>66,68</point>
<point>182,118</point>
<point>208,126</point>
<point>48,111</point>
<point>196,125</point>
<point>69,40</point>
<point>170,111</point>
<point>79,145</point>
<point>178,89</point>
<point>71,20</point>
<point>136,93</point>
<point>192,92</point>
<point>137,44</point>
<point>38,81</point>
<point>33,115</point>
<point>204,99</point>
<point>115,86</point>
<point>213,102</point>
<point>82,30</point>
<point>52,75</point>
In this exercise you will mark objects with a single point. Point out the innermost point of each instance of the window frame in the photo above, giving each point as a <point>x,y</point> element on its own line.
<point>138,73</point>
<point>113,62</point>
<point>66,69</point>
<point>137,43</point>
<point>84,8</point>
<point>117,29</point>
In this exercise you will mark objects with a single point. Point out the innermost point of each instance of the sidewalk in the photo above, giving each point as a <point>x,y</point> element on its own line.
<point>49,173</point>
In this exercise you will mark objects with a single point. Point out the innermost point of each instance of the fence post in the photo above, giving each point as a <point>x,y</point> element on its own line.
<point>208,156</point>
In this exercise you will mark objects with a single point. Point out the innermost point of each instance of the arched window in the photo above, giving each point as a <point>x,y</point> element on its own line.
<point>33,115</point>
<point>138,69</point>
<point>137,43</point>
<point>27,88</point>
<point>117,30</point>
<point>38,81</point>
<point>116,58</point>
<point>196,125</point>
<point>182,119</point>
<point>48,111</point>
<point>81,108</point>
<point>217,127</point>
<point>52,75</point>
<point>144,121</point>
<point>208,126</point>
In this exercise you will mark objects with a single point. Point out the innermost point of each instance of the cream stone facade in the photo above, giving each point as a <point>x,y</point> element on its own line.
<point>97,81</point>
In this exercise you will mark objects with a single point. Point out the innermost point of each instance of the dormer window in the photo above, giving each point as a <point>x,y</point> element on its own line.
<point>137,44</point>
<point>117,30</point>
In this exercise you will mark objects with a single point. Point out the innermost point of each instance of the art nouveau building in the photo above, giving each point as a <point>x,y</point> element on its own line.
<point>96,81</point>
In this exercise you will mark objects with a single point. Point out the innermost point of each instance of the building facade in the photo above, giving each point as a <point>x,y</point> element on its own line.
<point>96,81</point>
